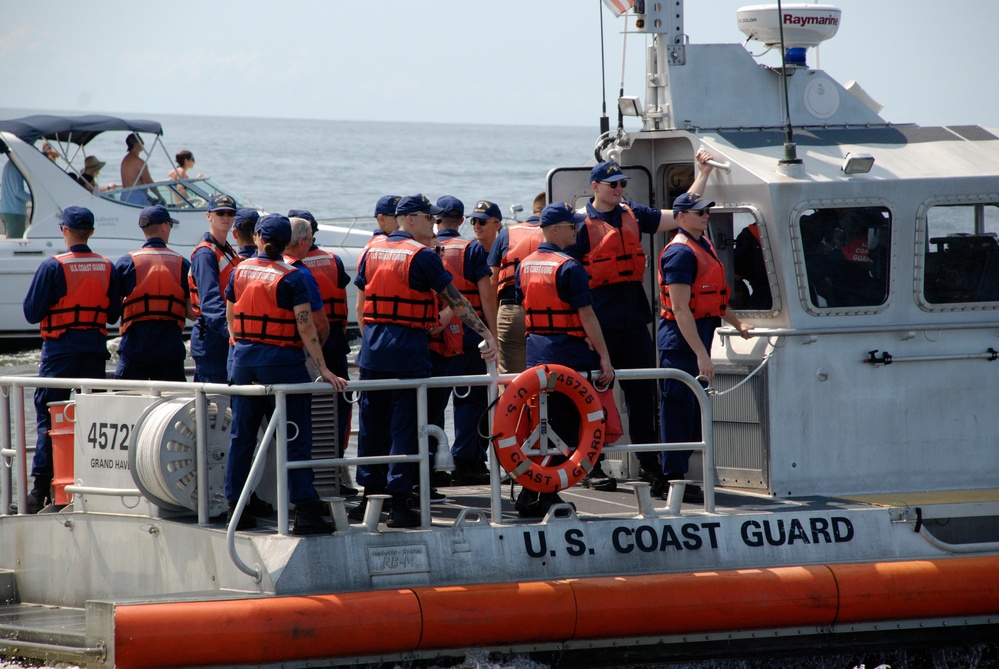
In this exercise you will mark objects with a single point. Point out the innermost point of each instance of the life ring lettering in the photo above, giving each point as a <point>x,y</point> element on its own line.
<point>514,444</point>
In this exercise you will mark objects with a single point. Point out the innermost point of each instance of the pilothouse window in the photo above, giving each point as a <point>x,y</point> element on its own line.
<point>961,254</point>
<point>846,253</point>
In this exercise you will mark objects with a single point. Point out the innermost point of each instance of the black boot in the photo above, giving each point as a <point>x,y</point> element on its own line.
<point>258,507</point>
<point>356,512</point>
<point>402,514</point>
<point>309,519</point>
<point>528,504</point>
<point>469,472</point>
<point>40,495</point>
<point>597,479</point>
<point>246,521</point>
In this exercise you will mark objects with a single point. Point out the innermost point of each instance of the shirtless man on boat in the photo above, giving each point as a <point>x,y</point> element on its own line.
<point>134,171</point>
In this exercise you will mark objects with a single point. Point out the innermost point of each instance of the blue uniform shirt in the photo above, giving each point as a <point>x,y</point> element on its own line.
<point>151,340</point>
<point>678,264</point>
<point>292,290</point>
<point>389,347</point>
<point>572,284</point>
<point>619,306</point>
<point>474,268</point>
<point>49,286</point>
<point>211,338</point>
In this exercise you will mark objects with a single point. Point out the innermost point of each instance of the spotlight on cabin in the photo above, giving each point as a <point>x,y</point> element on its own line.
<point>630,105</point>
<point>857,163</point>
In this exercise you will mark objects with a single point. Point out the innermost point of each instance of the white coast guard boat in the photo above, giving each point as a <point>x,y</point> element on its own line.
<point>116,211</point>
<point>849,470</point>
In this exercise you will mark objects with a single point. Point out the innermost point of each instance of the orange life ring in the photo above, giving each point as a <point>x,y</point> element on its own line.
<point>516,431</point>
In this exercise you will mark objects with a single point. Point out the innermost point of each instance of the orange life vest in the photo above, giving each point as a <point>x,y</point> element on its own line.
<point>257,317</point>
<point>158,294</point>
<point>709,292</point>
<point>616,254</point>
<point>449,342</point>
<point>324,268</point>
<point>523,240</point>
<point>453,256</point>
<point>544,311</point>
<point>227,259</point>
<point>85,304</point>
<point>388,297</point>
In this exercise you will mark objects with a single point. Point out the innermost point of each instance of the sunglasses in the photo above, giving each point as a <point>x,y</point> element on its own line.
<point>225,213</point>
<point>615,184</point>
<point>480,221</point>
<point>700,212</point>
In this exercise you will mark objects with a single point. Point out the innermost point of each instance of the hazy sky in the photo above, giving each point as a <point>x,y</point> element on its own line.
<point>534,62</point>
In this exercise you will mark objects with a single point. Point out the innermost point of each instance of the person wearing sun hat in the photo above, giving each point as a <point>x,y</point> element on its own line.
<point>73,296</point>
<point>156,303</point>
<point>269,317</point>
<point>693,298</point>
<point>610,245</point>
<point>91,168</point>
<point>398,279</point>
<point>212,262</point>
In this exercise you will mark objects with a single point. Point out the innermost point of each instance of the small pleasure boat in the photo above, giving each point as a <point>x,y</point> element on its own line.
<point>52,188</point>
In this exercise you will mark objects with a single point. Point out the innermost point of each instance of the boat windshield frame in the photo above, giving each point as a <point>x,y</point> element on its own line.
<point>175,195</point>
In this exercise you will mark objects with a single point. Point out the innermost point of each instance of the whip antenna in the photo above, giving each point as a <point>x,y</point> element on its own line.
<point>604,121</point>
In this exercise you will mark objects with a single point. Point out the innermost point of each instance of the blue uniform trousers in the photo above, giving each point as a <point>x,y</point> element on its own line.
<point>143,370</point>
<point>210,367</point>
<point>338,365</point>
<point>468,445</point>
<point>388,427</point>
<point>632,349</point>
<point>437,398</point>
<point>60,367</point>
<point>679,413</point>
<point>247,415</point>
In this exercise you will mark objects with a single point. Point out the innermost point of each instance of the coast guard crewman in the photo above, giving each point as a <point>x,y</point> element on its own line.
<point>385,215</point>
<point>397,277</point>
<point>513,243</point>
<point>269,313</point>
<point>73,296</point>
<point>694,299</point>
<point>466,261</point>
<point>242,232</point>
<point>211,264</point>
<point>156,303</point>
<point>561,328</point>
<point>610,246</point>
<point>332,279</point>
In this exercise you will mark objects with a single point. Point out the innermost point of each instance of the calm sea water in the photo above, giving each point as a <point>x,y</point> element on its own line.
<point>339,169</point>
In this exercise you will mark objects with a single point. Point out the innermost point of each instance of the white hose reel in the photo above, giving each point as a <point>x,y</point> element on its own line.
<point>163,458</point>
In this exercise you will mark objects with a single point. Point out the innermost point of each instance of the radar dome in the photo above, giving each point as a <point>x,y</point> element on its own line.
<point>804,25</point>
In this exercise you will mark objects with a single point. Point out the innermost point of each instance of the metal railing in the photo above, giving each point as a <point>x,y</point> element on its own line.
<point>277,430</point>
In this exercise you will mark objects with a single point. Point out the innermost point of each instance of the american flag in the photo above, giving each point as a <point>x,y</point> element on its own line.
<point>619,7</point>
